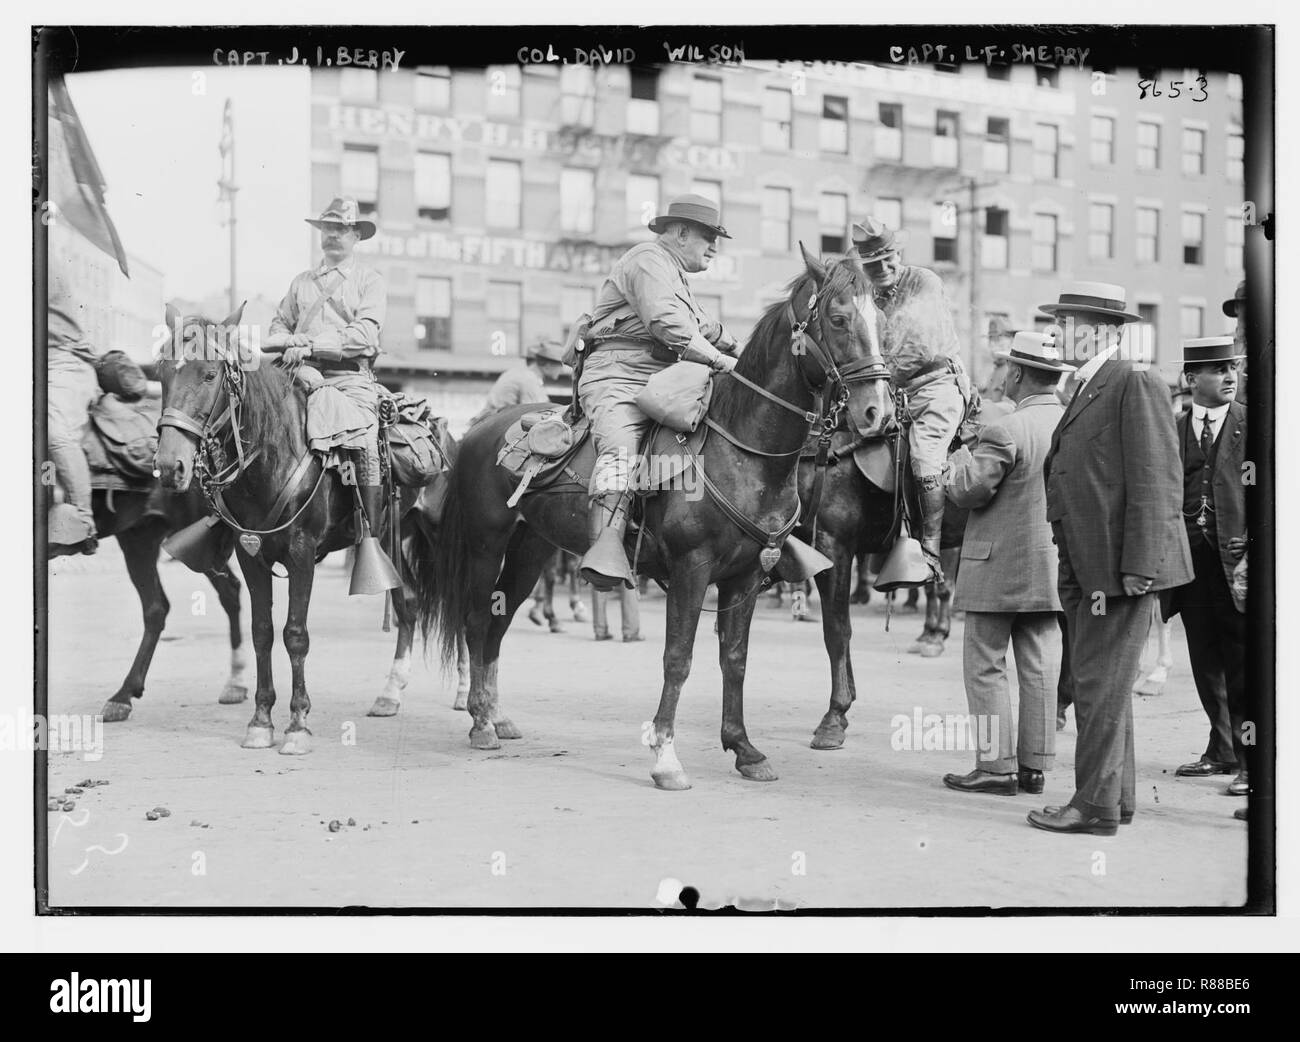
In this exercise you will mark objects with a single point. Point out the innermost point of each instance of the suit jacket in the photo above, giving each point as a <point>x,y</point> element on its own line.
<point>1114,483</point>
<point>1008,562</point>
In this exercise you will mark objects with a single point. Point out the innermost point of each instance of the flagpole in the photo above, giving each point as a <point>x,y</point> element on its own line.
<point>229,188</point>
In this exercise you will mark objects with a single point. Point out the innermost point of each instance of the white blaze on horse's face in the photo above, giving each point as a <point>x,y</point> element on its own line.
<point>871,321</point>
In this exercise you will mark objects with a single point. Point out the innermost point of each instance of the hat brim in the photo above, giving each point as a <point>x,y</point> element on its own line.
<point>900,240</point>
<point>542,356</point>
<point>663,220</point>
<point>1213,361</point>
<point>1058,367</point>
<point>1122,316</point>
<point>365,229</point>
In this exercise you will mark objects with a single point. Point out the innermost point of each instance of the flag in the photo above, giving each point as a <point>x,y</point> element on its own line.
<point>76,186</point>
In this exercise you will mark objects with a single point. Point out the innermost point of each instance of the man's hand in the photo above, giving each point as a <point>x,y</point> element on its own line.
<point>723,364</point>
<point>1237,547</point>
<point>295,355</point>
<point>1136,585</point>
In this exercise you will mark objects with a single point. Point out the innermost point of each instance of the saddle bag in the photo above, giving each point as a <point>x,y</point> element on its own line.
<point>535,440</point>
<point>118,375</point>
<point>129,437</point>
<point>414,441</point>
<point>678,396</point>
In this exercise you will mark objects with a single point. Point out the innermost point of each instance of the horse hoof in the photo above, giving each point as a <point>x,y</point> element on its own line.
<point>671,781</point>
<point>115,712</point>
<point>484,739</point>
<point>296,743</point>
<point>931,649</point>
<point>761,771</point>
<point>462,701</point>
<point>828,738</point>
<point>384,706</point>
<point>259,738</point>
<point>232,694</point>
<point>506,729</point>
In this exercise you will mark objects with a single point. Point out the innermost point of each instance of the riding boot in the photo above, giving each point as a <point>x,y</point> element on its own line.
<point>930,493</point>
<point>372,571</point>
<point>604,565</point>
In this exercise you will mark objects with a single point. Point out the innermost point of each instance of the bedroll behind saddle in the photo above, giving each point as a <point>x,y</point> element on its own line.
<point>415,441</point>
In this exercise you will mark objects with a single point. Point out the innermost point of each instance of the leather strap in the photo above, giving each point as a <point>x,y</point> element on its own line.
<point>764,538</point>
<point>749,448</point>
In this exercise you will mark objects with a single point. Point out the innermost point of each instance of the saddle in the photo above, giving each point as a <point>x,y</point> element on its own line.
<point>545,450</point>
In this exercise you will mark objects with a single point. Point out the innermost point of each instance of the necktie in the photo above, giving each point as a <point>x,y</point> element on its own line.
<point>1207,439</point>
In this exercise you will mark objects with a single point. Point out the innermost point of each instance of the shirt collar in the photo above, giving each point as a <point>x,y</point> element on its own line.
<point>324,267</point>
<point>1199,412</point>
<point>1036,399</point>
<point>1089,369</point>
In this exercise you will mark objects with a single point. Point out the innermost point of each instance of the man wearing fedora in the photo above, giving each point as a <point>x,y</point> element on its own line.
<point>920,348</point>
<point>1006,583</point>
<point>525,384</point>
<point>1212,444</point>
<point>645,319</point>
<point>331,318</point>
<point>1114,499</point>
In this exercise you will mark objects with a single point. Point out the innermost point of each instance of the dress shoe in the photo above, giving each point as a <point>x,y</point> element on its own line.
<point>1031,781</point>
<point>1125,816</point>
<point>1240,814</point>
<point>636,638</point>
<point>983,781</point>
<point>1204,768</point>
<point>1239,786</point>
<point>1069,819</point>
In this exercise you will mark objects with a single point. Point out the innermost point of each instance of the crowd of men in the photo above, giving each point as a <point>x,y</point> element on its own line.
<point>1089,502</point>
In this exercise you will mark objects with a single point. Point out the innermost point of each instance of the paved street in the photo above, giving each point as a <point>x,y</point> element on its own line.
<point>568,816</point>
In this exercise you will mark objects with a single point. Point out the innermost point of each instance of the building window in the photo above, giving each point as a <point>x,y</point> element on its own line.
<point>642,199</point>
<point>1047,76</point>
<point>577,201</point>
<point>889,134</point>
<point>433,185</point>
<point>575,301</point>
<point>889,212</point>
<point>1236,157</point>
<point>997,146</point>
<point>943,226</point>
<point>995,249</point>
<point>359,84</point>
<point>1044,254</point>
<point>1148,234</point>
<point>833,216</point>
<point>1191,321</point>
<point>1193,151</point>
<point>504,84</point>
<point>1102,150</point>
<point>711,190</point>
<point>1148,146</point>
<point>643,105</point>
<point>1047,138</point>
<point>1193,238</point>
<point>998,72</point>
<point>504,310</point>
<point>835,124</point>
<point>432,313</point>
<point>706,109</point>
<point>946,127</point>
<point>359,177</point>
<point>1101,231</point>
<point>778,117</point>
<point>776,220</point>
<point>433,87</point>
<point>1147,331</point>
<point>504,191</point>
<point>1234,243</point>
<point>577,96</point>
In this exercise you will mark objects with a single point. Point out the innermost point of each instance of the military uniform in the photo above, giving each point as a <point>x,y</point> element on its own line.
<point>72,389</point>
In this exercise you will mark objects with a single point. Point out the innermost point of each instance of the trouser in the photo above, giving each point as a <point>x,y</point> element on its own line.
<point>1216,646</point>
<point>936,408</point>
<point>611,379</point>
<point>72,390</point>
<point>1036,642</point>
<point>630,609</point>
<point>1105,653</point>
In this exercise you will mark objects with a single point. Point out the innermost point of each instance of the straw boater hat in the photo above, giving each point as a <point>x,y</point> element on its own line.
<point>1037,350</point>
<point>1230,307</point>
<point>344,210</point>
<point>873,239</point>
<point>1211,349</point>
<point>693,208</point>
<point>546,351</point>
<point>1094,298</point>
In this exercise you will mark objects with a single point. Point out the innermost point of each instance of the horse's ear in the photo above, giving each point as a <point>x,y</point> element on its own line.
<point>173,317</point>
<point>233,318</point>
<point>815,267</point>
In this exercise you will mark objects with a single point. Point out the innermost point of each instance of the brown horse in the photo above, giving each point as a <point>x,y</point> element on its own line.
<point>819,348</point>
<point>250,414</point>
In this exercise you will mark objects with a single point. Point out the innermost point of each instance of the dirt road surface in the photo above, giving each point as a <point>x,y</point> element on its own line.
<point>567,816</point>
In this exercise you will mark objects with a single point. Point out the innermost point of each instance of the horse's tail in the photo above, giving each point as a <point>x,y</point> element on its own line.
<point>440,575</point>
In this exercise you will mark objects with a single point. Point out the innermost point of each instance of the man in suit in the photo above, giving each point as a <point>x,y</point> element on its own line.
<point>1114,498</point>
<point>1212,444</point>
<point>1007,579</point>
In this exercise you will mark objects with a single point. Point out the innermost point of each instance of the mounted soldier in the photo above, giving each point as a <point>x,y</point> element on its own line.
<point>329,322</point>
<point>920,348</point>
<point>524,384</point>
<point>646,318</point>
